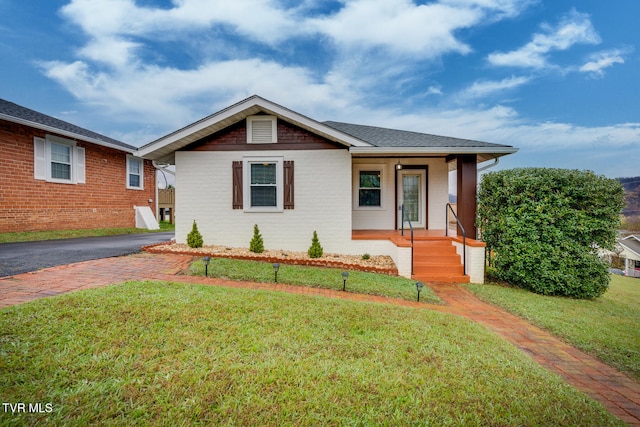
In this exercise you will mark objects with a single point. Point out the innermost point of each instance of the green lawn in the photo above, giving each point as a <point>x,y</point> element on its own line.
<point>608,327</point>
<point>31,236</point>
<point>146,353</point>
<point>316,277</point>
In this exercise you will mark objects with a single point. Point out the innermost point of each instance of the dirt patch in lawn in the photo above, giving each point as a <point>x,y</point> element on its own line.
<point>376,263</point>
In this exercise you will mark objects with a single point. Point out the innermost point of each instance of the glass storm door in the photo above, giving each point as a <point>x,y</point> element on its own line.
<point>411,194</point>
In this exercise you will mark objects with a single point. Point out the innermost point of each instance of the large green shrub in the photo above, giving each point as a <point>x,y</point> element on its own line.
<point>194,238</point>
<point>543,228</point>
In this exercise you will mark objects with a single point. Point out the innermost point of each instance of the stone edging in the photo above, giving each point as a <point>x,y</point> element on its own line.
<point>282,260</point>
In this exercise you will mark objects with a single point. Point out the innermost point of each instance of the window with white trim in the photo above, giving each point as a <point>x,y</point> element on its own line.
<point>58,160</point>
<point>135,173</point>
<point>263,188</point>
<point>262,130</point>
<point>368,182</point>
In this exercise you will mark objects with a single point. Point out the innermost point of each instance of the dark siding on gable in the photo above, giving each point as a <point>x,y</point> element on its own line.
<point>290,137</point>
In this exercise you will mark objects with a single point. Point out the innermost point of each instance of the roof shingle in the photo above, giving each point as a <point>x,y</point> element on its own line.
<point>383,137</point>
<point>9,110</point>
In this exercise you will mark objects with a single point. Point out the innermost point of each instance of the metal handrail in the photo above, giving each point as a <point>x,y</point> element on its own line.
<point>411,228</point>
<point>464,235</point>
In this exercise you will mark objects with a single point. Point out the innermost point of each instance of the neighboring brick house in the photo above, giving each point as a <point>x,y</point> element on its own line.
<point>58,176</point>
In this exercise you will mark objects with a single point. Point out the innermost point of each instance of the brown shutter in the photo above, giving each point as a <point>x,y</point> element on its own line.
<point>237,185</point>
<point>288,184</point>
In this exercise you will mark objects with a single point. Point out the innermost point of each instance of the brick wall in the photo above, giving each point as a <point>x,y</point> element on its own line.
<point>27,204</point>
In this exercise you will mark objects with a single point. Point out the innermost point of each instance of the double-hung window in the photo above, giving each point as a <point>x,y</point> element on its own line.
<point>264,189</point>
<point>59,160</point>
<point>264,185</point>
<point>369,191</point>
<point>135,170</point>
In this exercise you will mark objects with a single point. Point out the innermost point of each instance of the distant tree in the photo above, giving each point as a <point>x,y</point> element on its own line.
<point>544,228</point>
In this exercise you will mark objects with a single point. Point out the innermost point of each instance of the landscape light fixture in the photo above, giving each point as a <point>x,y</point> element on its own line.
<point>206,265</point>
<point>276,267</point>
<point>345,276</point>
<point>419,286</point>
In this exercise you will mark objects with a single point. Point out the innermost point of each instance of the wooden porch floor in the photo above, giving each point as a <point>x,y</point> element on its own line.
<point>396,235</point>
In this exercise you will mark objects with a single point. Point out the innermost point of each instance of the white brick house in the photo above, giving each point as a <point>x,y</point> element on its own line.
<point>257,162</point>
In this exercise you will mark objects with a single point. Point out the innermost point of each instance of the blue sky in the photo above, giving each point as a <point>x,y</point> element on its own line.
<point>559,79</point>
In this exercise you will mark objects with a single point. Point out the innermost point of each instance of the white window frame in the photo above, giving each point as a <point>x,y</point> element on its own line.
<point>246,191</point>
<point>43,160</point>
<point>141,162</point>
<point>357,168</point>
<point>274,130</point>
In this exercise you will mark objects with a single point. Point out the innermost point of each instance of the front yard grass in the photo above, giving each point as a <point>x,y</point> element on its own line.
<point>149,353</point>
<point>32,236</point>
<point>607,327</point>
<point>315,277</point>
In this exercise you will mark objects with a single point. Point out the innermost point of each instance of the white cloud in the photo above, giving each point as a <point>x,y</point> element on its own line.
<point>598,62</point>
<point>260,19</point>
<point>114,71</point>
<point>174,97</point>
<point>399,26</point>
<point>574,28</point>
<point>484,88</point>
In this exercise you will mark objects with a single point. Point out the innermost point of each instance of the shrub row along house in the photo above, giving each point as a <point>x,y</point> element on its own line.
<point>257,162</point>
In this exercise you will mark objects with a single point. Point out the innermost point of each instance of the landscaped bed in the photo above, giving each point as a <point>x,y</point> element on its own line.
<point>145,353</point>
<point>374,263</point>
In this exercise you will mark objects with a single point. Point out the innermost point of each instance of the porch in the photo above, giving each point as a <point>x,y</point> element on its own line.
<point>433,256</point>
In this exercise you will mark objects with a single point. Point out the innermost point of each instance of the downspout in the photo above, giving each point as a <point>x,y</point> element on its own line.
<point>495,163</point>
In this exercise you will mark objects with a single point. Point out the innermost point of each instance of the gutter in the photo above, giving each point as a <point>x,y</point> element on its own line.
<point>433,150</point>
<point>495,163</point>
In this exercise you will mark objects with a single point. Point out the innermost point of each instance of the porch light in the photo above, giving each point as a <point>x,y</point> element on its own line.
<point>206,265</point>
<point>398,165</point>
<point>276,267</point>
<point>419,286</point>
<point>345,276</point>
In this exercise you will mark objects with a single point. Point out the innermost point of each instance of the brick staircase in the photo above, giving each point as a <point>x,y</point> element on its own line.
<point>436,260</point>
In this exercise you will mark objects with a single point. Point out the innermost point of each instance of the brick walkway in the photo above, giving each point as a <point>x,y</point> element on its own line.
<point>617,392</point>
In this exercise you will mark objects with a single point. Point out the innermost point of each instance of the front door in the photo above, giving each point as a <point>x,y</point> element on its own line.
<point>412,191</point>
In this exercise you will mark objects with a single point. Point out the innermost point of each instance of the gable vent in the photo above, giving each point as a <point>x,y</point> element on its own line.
<point>261,130</point>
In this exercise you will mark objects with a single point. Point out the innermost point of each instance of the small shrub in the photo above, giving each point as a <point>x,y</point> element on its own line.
<point>366,257</point>
<point>315,251</point>
<point>257,244</point>
<point>194,238</point>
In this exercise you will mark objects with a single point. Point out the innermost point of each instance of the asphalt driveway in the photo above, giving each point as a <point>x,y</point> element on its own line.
<point>16,258</point>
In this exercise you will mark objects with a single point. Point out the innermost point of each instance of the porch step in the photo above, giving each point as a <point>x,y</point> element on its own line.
<point>436,260</point>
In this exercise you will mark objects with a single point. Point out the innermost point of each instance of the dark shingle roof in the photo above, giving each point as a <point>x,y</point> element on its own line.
<point>632,243</point>
<point>383,137</point>
<point>9,111</point>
